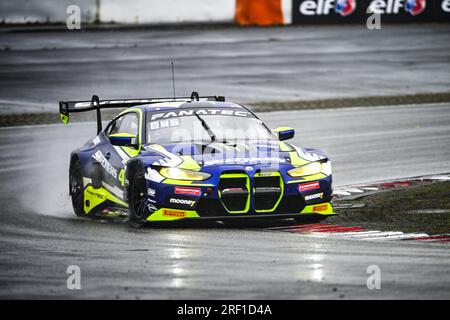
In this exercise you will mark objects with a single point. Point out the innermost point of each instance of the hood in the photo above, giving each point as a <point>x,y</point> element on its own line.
<point>218,153</point>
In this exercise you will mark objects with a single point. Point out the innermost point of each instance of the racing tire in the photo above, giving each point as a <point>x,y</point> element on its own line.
<point>77,188</point>
<point>137,200</point>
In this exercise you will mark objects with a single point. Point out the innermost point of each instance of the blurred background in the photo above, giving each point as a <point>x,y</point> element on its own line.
<point>243,12</point>
<point>251,51</point>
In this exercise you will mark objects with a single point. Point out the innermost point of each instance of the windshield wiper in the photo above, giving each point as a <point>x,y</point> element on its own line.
<point>206,127</point>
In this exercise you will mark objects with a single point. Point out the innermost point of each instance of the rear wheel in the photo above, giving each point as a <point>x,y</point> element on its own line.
<point>138,200</point>
<point>77,188</point>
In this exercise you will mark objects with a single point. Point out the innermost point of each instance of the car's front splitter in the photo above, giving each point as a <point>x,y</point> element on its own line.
<point>168,214</point>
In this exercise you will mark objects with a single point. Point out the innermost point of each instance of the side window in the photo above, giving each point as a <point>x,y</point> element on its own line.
<point>114,126</point>
<point>128,123</point>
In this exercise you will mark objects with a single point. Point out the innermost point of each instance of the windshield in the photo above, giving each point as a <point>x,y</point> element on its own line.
<point>221,128</point>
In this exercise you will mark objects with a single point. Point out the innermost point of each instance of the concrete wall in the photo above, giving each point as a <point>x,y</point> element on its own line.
<point>168,11</point>
<point>24,11</point>
<point>248,12</point>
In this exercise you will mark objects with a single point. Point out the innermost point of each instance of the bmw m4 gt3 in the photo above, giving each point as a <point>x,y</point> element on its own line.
<point>169,159</point>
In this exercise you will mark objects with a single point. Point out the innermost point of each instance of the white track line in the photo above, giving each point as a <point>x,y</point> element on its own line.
<point>341,193</point>
<point>383,236</point>
<point>370,188</point>
<point>352,233</point>
<point>377,234</point>
<point>354,190</point>
<point>439,178</point>
<point>407,236</point>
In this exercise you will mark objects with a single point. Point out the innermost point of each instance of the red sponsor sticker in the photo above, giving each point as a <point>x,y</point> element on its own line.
<point>189,191</point>
<point>309,186</point>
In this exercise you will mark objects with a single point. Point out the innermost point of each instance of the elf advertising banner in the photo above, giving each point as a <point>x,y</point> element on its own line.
<point>358,11</point>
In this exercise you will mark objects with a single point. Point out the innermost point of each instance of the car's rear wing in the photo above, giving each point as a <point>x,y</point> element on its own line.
<point>68,107</point>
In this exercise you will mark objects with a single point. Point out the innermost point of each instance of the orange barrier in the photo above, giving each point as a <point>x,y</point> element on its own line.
<point>259,12</point>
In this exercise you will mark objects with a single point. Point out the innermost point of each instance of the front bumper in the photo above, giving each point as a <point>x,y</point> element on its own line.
<point>241,197</point>
<point>168,214</point>
<point>256,221</point>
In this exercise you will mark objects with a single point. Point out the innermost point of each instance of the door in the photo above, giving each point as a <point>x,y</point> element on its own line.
<point>126,125</point>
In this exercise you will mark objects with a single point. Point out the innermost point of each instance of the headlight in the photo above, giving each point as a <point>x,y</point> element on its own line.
<point>311,169</point>
<point>183,174</point>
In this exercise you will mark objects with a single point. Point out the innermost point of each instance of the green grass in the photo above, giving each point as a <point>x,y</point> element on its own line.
<point>422,208</point>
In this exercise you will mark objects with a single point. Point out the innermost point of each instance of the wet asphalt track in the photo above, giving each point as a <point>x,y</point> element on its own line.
<point>250,64</point>
<point>40,236</point>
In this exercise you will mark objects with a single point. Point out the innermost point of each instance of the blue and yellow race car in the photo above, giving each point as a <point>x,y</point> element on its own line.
<point>171,159</point>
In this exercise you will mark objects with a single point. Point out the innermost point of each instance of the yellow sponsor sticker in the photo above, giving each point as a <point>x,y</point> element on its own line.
<point>174,213</point>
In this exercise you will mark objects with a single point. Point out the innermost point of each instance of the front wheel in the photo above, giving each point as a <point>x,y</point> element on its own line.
<point>138,200</point>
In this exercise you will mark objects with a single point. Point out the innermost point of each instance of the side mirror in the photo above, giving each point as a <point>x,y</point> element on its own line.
<point>123,140</point>
<point>284,133</point>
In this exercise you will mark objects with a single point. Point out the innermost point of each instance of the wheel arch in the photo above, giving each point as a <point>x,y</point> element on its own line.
<point>73,158</point>
<point>132,165</point>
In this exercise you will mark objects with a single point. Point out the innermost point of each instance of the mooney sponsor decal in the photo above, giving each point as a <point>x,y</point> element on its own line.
<point>314,196</point>
<point>309,186</point>
<point>182,201</point>
<point>188,191</point>
<point>201,112</point>
<point>100,158</point>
